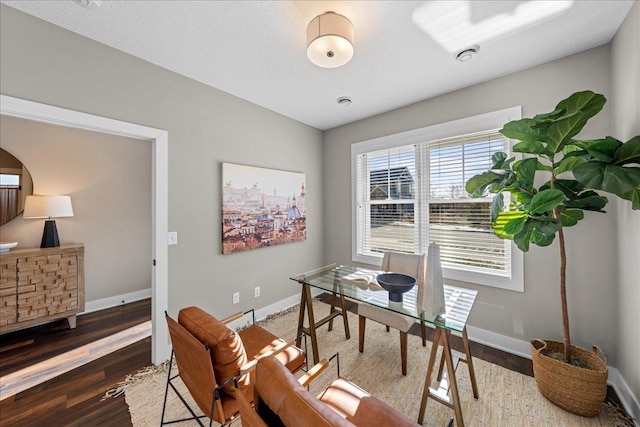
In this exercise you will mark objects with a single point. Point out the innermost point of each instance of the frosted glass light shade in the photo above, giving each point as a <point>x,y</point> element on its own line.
<point>47,207</point>
<point>330,40</point>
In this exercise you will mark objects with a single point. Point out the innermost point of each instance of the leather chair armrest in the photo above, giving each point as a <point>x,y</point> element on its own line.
<point>250,366</point>
<point>313,373</point>
<point>233,317</point>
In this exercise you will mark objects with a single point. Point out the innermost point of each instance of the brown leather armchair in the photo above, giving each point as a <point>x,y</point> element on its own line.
<point>282,400</point>
<point>217,364</point>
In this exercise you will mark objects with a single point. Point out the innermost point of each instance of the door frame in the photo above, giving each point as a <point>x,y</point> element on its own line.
<point>29,110</point>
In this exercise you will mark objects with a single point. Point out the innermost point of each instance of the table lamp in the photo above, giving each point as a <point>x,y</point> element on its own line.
<point>48,207</point>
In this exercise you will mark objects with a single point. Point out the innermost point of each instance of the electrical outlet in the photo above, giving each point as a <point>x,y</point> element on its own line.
<point>256,291</point>
<point>236,297</point>
<point>172,238</point>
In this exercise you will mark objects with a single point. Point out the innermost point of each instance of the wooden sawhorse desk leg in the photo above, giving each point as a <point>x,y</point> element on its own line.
<point>306,303</point>
<point>442,336</point>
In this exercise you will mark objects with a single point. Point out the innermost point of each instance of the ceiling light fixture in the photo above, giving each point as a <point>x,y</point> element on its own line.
<point>330,40</point>
<point>467,54</point>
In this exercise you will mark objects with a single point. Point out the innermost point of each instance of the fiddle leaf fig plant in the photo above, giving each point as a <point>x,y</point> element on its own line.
<point>571,170</point>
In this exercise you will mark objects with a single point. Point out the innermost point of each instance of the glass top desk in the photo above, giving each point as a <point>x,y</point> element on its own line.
<point>458,302</point>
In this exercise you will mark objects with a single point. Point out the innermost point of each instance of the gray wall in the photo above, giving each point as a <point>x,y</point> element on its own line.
<point>109,180</point>
<point>44,63</point>
<point>626,124</point>
<point>591,246</point>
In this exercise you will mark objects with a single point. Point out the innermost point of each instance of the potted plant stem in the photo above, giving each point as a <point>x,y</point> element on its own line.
<point>573,171</point>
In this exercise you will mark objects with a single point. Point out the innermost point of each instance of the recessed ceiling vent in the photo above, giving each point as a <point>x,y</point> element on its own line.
<point>89,4</point>
<point>467,54</point>
<point>345,101</point>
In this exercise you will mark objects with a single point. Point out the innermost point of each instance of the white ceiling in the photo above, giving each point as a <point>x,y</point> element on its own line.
<point>404,50</point>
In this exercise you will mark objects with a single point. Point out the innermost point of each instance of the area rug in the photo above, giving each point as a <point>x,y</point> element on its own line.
<point>507,398</point>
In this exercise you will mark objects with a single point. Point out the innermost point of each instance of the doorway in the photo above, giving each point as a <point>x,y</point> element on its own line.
<point>16,107</point>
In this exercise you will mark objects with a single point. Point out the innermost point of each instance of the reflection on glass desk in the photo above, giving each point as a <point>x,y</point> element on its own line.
<point>458,301</point>
<point>339,281</point>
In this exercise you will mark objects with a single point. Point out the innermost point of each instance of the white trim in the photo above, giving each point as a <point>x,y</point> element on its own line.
<point>501,342</point>
<point>468,125</point>
<point>114,301</point>
<point>29,110</point>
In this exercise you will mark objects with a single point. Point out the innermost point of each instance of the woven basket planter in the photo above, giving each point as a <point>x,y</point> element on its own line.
<point>578,390</point>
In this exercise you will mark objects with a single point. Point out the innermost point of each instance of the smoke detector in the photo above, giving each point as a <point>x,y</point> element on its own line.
<point>467,54</point>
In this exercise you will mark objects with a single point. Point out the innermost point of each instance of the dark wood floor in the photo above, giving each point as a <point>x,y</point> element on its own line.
<point>74,399</point>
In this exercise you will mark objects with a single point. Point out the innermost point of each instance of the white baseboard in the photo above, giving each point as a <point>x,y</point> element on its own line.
<point>501,342</point>
<point>276,307</point>
<point>114,301</point>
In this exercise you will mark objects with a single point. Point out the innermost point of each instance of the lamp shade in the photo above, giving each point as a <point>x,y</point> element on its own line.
<point>330,40</point>
<point>47,207</point>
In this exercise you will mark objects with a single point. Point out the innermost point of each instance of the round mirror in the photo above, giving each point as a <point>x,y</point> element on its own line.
<point>15,186</point>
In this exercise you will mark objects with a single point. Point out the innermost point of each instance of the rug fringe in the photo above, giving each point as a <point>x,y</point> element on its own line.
<point>617,415</point>
<point>133,379</point>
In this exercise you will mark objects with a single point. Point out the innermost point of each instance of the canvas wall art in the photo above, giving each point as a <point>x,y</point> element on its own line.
<point>261,207</point>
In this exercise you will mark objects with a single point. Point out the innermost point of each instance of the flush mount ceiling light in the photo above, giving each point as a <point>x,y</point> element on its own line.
<point>330,40</point>
<point>467,54</point>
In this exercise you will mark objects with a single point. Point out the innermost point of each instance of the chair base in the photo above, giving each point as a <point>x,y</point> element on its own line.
<point>194,417</point>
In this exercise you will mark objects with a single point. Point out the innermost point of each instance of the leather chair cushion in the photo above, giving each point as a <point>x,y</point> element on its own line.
<point>258,340</point>
<point>358,407</point>
<point>225,346</point>
<point>276,387</point>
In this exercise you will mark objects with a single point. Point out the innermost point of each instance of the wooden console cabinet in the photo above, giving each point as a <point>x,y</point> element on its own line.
<point>39,285</point>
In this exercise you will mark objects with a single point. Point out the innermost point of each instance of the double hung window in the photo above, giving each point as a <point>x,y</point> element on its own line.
<point>409,190</point>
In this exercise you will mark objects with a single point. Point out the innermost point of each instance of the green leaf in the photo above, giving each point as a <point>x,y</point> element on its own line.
<point>567,164</point>
<point>531,147</point>
<point>585,104</point>
<point>552,115</point>
<point>515,225</point>
<point>526,173</point>
<point>498,159</point>
<point>497,206</point>
<point>523,238</point>
<point>521,130</point>
<point>540,239</point>
<point>545,201</point>
<point>476,184</point>
<point>629,152</point>
<point>570,217</point>
<point>634,196</point>
<point>604,149</point>
<point>618,180</point>
<point>589,203</point>
<point>546,226</point>
<point>502,220</point>
<point>570,187</point>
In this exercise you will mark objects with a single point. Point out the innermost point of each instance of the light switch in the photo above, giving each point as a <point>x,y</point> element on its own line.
<point>172,238</point>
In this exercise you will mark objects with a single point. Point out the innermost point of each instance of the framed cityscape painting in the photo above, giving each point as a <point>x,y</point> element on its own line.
<point>261,207</point>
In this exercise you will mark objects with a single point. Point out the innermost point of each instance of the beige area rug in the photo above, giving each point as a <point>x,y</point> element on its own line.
<point>507,398</point>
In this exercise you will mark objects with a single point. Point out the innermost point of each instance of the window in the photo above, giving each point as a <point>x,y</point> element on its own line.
<point>409,190</point>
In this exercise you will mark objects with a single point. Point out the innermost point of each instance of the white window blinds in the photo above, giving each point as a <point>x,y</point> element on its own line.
<point>409,195</point>
<point>459,224</point>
